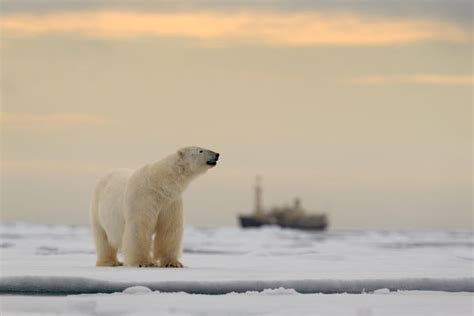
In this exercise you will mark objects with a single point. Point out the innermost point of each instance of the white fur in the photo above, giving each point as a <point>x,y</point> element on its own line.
<point>130,207</point>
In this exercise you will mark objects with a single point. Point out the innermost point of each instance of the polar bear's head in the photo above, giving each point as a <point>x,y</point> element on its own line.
<point>197,160</point>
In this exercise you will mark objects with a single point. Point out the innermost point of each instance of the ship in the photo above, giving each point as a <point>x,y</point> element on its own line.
<point>285,216</point>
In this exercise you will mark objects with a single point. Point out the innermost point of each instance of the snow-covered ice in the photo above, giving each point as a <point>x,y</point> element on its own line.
<point>222,260</point>
<point>255,270</point>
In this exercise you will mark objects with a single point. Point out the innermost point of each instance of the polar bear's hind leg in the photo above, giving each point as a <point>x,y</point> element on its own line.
<point>106,254</point>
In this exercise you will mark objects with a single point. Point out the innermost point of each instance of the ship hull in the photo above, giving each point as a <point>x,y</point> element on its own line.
<point>252,222</point>
<point>247,221</point>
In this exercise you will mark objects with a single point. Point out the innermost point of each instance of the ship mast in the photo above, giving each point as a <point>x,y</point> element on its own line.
<point>258,210</point>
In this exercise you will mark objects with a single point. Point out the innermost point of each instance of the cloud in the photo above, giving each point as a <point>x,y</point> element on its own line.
<point>294,29</point>
<point>49,120</point>
<point>423,79</point>
<point>459,11</point>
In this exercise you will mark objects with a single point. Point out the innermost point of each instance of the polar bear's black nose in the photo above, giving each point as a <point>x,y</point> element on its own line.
<point>217,156</point>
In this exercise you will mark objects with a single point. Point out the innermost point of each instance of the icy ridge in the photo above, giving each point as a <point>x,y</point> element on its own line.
<point>40,285</point>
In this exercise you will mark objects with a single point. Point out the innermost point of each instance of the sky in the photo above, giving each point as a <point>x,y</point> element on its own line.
<point>363,109</point>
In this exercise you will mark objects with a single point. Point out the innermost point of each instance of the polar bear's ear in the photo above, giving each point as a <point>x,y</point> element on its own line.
<point>181,153</point>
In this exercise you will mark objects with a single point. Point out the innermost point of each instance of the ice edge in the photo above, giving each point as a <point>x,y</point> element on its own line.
<point>36,285</point>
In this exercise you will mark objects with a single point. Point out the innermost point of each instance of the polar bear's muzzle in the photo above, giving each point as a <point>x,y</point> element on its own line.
<point>212,162</point>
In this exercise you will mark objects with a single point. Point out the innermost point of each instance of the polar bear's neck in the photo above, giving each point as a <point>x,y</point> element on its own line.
<point>168,179</point>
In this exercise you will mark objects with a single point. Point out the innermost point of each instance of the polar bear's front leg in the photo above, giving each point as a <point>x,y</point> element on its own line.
<point>136,243</point>
<point>168,236</point>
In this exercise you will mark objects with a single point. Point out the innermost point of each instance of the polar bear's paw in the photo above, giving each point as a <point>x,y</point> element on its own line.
<point>171,264</point>
<point>109,264</point>
<point>148,265</point>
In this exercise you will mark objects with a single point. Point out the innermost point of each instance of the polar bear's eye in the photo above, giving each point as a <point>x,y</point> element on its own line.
<point>200,151</point>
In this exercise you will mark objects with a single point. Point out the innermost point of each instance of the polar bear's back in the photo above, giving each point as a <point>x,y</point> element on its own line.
<point>109,204</point>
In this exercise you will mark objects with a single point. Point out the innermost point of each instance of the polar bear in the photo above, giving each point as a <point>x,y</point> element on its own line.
<point>130,207</point>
